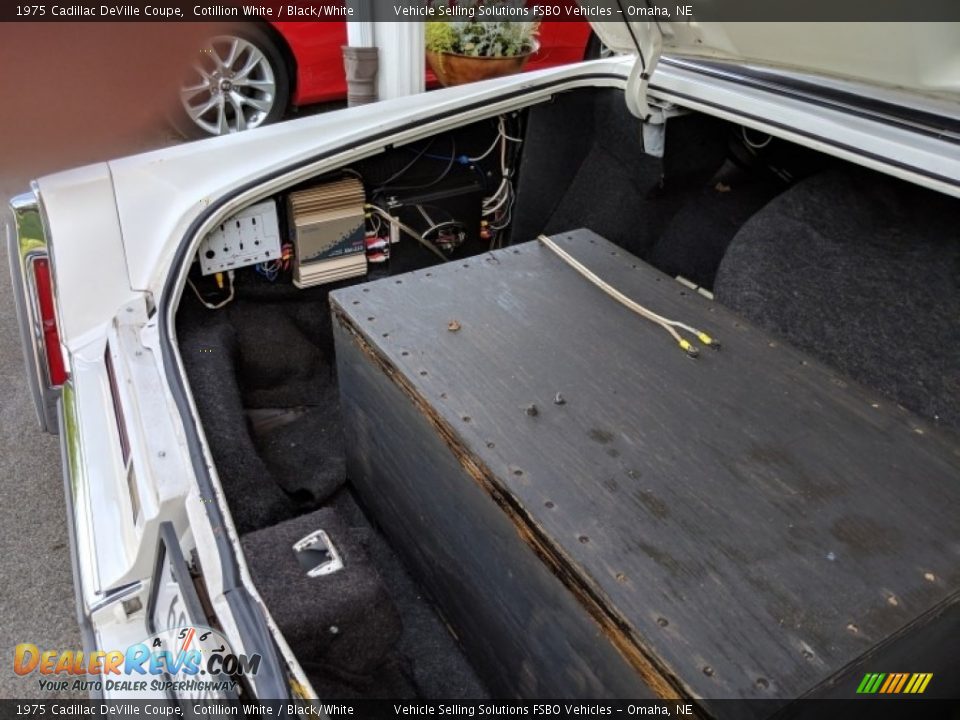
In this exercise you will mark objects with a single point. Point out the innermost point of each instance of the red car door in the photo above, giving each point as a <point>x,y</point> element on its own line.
<point>315,49</point>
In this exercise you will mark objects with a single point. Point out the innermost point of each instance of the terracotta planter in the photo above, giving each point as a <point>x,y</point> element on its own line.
<point>453,69</point>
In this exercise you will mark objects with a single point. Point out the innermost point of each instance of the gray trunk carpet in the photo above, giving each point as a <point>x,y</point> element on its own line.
<point>344,622</point>
<point>261,373</point>
<point>430,657</point>
<point>389,640</point>
<point>269,349</point>
<point>208,347</point>
<point>863,272</point>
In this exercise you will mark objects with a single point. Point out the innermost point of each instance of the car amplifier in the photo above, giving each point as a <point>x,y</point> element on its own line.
<point>598,515</point>
<point>328,227</point>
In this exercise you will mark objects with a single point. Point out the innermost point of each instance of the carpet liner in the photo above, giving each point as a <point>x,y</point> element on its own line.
<point>429,655</point>
<point>863,272</point>
<point>272,353</point>
<point>584,166</point>
<point>697,236</point>
<point>344,622</point>
<point>208,347</point>
<point>306,456</point>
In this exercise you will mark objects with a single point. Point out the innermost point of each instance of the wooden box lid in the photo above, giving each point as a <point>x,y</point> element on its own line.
<point>745,524</point>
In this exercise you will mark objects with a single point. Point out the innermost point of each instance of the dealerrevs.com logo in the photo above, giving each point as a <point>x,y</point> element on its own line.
<point>185,660</point>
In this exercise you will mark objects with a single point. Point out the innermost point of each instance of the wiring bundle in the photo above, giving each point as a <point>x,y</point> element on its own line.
<point>451,191</point>
<point>443,230</point>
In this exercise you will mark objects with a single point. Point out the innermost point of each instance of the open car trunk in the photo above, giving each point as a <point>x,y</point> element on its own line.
<point>856,270</point>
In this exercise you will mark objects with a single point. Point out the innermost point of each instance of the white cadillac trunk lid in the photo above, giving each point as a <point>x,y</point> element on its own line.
<point>919,58</point>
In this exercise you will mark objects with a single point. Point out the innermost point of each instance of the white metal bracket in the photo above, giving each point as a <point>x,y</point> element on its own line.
<point>649,45</point>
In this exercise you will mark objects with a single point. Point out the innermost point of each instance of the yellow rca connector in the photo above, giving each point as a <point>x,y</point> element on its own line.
<point>708,341</point>
<point>688,348</point>
<point>219,277</point>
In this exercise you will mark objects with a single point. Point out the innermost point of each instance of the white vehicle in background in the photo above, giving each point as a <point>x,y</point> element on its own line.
<point>126,272</point>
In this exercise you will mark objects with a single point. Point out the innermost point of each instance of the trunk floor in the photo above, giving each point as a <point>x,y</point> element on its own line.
<point>430,659</point>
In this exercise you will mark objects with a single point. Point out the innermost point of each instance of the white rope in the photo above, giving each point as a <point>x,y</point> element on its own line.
<point>212,306</point>
<point>665,323</point>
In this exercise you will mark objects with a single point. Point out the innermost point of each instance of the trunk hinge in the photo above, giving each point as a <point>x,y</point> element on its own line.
<point>646,36</point>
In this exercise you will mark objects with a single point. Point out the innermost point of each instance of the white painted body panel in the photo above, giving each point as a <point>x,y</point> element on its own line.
<point>115,544</point>
<point>923,58</point>
<point>88,251</point>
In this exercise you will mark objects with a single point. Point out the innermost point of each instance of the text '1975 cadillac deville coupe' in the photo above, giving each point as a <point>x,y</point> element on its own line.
<point>635,378</point>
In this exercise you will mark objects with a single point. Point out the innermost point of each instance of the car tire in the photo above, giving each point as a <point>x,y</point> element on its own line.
<point>236,82</point>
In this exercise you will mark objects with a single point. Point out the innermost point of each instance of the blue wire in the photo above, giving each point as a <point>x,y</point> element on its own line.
<point>270,275</point>
<point>462,159</point>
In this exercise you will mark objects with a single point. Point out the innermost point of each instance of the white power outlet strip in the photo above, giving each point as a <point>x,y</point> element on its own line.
<point>251,236</point>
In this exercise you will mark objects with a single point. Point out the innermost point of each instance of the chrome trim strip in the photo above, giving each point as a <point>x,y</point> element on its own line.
<point>67,458</point>
<point>116,595</point>
<point>88,575</point>
<point>25,244</point>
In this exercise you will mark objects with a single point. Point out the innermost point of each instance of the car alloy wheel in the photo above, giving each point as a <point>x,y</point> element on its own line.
<point>232,86</point>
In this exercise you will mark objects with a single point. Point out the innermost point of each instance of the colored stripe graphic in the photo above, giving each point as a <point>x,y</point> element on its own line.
<point>894,683</point>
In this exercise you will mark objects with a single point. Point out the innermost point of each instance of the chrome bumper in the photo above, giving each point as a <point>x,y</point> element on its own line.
<point>26,242</point>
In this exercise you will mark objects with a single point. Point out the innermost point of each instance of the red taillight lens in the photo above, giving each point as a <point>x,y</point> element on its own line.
<point>51,335</point>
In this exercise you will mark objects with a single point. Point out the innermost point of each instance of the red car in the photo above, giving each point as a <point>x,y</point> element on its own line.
<point>262,70</point>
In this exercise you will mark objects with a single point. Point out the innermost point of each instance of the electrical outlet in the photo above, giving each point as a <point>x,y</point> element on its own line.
<point>251,236</point>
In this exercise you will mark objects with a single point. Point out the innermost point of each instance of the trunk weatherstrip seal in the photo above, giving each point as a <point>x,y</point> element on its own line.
<point>918,121</point>
<point>813,136</point>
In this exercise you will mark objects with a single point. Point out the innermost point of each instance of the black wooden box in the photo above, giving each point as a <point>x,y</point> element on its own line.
<point>745,524</point>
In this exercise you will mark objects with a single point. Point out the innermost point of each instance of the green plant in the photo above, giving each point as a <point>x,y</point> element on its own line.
<point>481,39</point>
<point>440,36</point>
